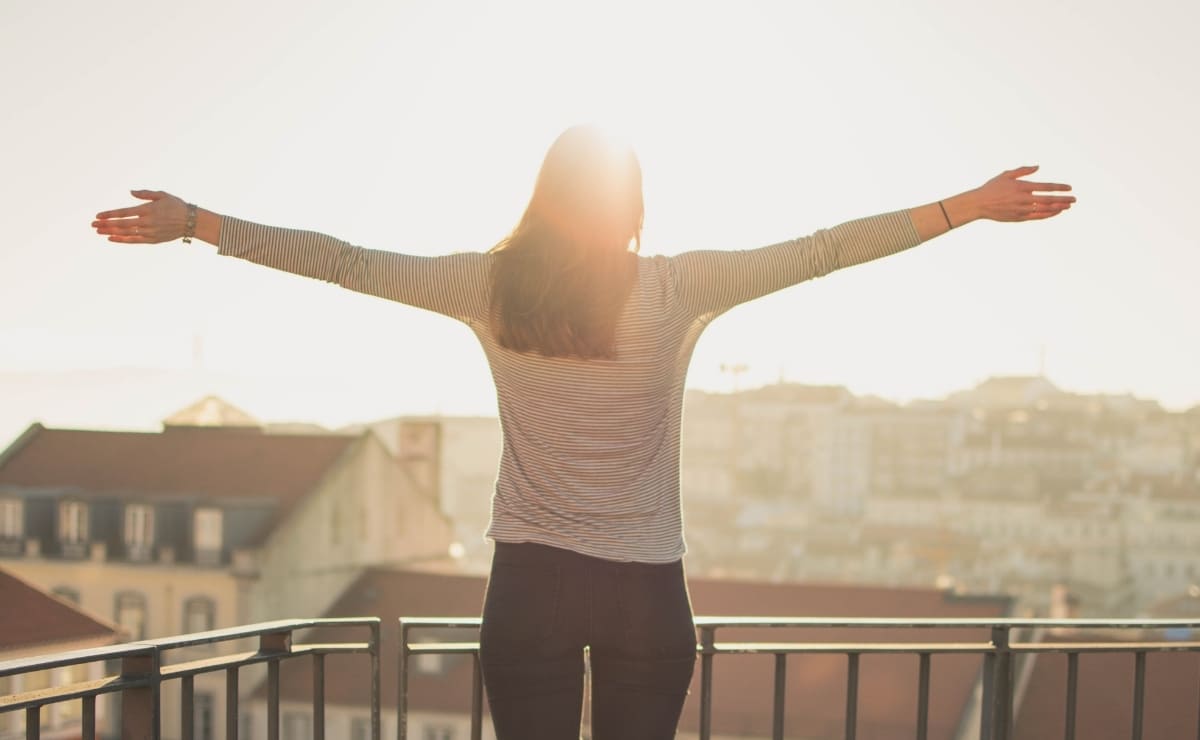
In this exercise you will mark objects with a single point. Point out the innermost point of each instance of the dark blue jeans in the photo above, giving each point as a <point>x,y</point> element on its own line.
<point>544,605</point>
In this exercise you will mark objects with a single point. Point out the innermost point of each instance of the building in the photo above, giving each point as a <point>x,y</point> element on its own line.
<point>199,527</point>
<point>461,455</point>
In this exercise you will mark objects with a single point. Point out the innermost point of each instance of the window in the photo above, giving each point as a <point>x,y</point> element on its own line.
<point>297,726</point>
<point>72,522</point>
<point>360,728</point>
<point>202,716</point>
<point>207,535</point>
<point>139,531</point>
<point>12,519</point>
<point>199,614</point>
<point>130,614</point>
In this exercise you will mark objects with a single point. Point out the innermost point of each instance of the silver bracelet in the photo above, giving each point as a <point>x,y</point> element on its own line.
<point>189,228</point>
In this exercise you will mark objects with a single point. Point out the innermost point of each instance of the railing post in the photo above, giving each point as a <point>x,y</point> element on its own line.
<point>402,685</point>
<point>187,702</point>
<point>476,697</point>
<point>33,723</point>
<point>376,663</point>
<point>89,718</point>
<point>231,701</point>
<point>923,697</point>
<point>1002,689</point>
<point>139,706</point>
<point>987,699</point>
<point>852,696</point>
<point>780,696</point>
<point>318,696</point>
<point>707,642</point>
<point>274,642</point>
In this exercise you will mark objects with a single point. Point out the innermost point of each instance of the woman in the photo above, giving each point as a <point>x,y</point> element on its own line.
<point>589,345</point>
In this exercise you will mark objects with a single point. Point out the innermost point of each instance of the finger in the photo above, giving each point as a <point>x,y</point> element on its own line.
<point>124,212</point>
<point>119,227</point>
<point>116,223</point>
<point>1021,171</point>
<point>1054,199</point>
<point>1032,186</point>
<point>1048,211</point>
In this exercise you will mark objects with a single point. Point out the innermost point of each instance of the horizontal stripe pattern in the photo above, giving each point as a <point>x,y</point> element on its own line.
<point>590,458</point>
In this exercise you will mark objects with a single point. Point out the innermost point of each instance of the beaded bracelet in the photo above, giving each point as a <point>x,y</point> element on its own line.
<point>189,228</point>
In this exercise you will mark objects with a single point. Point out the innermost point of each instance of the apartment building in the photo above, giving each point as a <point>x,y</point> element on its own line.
<point>209,523</point>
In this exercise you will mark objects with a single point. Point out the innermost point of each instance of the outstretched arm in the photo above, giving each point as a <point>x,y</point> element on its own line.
<point>710,282</point>
<point>454,285</point>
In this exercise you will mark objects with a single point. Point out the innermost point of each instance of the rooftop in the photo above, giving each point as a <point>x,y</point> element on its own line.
<point>35,621</point>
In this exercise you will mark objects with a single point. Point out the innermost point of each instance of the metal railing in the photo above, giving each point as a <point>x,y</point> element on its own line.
<point>999,651</point>
<point>143,668</point>
<point>136,672</point>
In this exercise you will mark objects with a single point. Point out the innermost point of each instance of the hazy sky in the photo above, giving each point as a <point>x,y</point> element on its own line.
<point>419,127</point>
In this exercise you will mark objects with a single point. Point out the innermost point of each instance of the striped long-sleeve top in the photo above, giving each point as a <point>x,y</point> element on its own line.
<point>590,458</point>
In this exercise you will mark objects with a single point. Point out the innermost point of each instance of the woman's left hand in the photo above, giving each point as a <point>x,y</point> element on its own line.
<point>162,219</point>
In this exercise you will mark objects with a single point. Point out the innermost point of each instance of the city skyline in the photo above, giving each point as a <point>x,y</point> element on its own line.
<point>154,393</point>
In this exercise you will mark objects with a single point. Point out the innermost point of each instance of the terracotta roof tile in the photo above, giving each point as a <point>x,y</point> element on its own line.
<point>30,617</point>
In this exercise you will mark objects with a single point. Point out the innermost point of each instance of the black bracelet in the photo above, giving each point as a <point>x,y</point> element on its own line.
<point>945,214</point>
<point>189,228</point>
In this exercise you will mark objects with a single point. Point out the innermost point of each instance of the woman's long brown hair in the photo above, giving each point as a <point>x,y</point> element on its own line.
<point>560,279</point>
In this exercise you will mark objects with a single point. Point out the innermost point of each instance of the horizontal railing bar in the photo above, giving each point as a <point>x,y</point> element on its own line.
<point>944,622</point>
<point>74,657</point>
<point>255,630</point>
<point>873,623</point>
<point>331,648</point>
<point>67,692</point>
<point>1103,647</point>
<point>150,647</point>
<point>781,648</point>
<point>440,621</point>
<point>949,647</point>
<point>237,660</point>
<point>218,663</point>
<point>442,648</point>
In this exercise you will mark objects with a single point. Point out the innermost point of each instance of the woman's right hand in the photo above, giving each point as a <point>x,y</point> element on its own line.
<point>162,218</point>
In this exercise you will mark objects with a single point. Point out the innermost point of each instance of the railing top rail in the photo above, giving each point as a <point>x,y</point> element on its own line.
<point>712,622</point>
<point>255,630</point>
<point>147,648</point>
<point>74,657</point>
<point>946,623</point>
